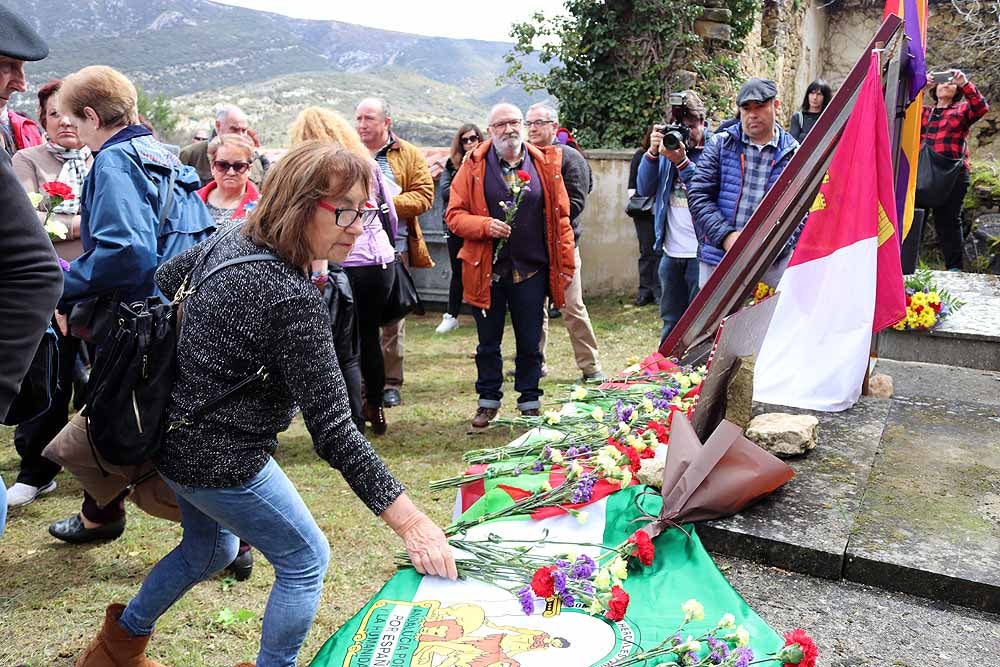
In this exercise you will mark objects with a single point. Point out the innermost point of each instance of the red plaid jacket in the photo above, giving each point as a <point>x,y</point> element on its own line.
<point>946,129</point>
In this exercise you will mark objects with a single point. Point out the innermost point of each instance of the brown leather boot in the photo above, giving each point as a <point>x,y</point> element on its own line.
<point>114,646</point>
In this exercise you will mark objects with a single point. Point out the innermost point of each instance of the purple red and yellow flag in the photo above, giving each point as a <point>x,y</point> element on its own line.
<point>914,15</point>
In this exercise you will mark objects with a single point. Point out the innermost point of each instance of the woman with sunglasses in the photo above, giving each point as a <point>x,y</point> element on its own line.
<point>221,466</point>
<point>227,195</point>
<point>466,140</point>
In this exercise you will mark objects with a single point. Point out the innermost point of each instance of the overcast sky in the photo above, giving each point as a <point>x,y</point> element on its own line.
<point>472,19</point>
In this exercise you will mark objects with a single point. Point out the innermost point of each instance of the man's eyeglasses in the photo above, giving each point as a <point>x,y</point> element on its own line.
<point>224,167</point>
<point>470,140</point>
<point>345,217</point>
<point>538,123</point>
<point>504,124</point>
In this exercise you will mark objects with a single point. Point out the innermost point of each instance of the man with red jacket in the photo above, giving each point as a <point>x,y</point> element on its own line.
<point>511,265</point>
<point>16,131</point>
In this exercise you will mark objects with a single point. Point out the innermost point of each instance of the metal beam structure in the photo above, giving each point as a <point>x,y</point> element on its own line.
<point>775,219</point>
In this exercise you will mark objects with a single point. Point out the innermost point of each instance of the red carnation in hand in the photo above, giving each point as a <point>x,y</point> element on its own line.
<point>644,548</point>
<point>58,189</point>
<point>799,649</point>
<point>523,175</point>
<point>618,604</point>
<point>541,582</point>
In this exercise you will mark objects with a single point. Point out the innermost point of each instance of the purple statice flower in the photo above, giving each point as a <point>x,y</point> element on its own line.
<point>583,568</point>
<point>538,466</point>
<point>547,452</point>
<point>668,392</point>
<point>910,291</point>
<point>584,449</point>
<point>720,650</point>
<point>559,582</point>
<point>691,658</point>
<point>944,309</point>
<point>517,471</point>
<point>527,599</point>
<point>649,394</point>
<point>677,640</point>
<point>63,264</point>
<point>563,564</point>
<point>587,588</point>
<point>584,489</point>
<point>572,453</point>
<point>744,656</point>
<point>661,404</point>
<point>569,600</point>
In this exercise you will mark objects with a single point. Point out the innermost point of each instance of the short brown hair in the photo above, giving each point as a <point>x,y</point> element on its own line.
<point>292,188</point>
<point>44,94</point>
<point>105,90</point>
<point>319,124</point>
<point>232,140</point>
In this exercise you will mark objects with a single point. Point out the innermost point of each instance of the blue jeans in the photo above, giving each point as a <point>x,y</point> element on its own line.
<point>678,287</point>
<point>268,513</point>
<point>525,301</point>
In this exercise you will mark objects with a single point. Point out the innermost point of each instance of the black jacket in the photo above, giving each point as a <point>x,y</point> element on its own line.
<point>30,283</point>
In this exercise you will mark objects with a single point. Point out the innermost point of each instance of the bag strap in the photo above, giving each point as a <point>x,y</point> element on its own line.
<point>383,214</point>
<point>258,257</point>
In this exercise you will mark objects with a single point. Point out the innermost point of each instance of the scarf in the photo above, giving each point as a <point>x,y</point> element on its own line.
<point>72,173</point>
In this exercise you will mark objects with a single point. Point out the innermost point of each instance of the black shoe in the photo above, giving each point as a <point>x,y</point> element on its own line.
<point>73,531</point>
<point>391,397</point>
<point>644,300</point>
<point>242,567</point>
<point>554,313</point>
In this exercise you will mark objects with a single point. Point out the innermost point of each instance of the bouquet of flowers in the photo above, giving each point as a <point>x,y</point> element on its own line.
<point>725,644</point>
<point>926,303</point>
<point>57,192</point>
<point>517,190</point>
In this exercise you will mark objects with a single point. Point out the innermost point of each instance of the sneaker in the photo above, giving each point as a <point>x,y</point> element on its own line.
<point>25,494</point>
<point>483,417</point>
<point>596,376</point>
<point>448,323</point>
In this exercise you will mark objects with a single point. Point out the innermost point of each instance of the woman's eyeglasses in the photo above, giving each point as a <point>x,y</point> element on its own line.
<point>224,167</point>
<point>470,140</point>
<point>345,217</point>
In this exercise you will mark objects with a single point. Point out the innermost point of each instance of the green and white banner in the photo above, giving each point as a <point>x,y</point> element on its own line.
<point>417,621</point>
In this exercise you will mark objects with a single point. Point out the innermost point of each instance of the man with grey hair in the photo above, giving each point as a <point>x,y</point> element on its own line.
<point>510,206</point>
<point>542,120</point>
<point>229,119</point>
<point>406,172</point>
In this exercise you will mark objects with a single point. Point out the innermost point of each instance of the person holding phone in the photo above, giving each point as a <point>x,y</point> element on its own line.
<point>945,130</point>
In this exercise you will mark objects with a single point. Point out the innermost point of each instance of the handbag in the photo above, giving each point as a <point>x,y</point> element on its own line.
<point>639,205</point>
<point>402,297</point>
<point>936,177</point>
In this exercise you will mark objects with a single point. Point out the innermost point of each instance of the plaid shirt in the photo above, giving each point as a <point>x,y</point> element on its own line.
<point>945,129</point>
<point>756,163</point>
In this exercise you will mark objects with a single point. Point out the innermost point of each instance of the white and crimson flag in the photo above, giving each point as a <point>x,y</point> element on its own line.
<point>844,282</point>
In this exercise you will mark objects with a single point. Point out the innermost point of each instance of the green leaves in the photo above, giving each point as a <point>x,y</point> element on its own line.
<point>227,617</point>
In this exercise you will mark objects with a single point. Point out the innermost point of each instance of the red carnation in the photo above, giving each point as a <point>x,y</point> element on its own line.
<point>618,604</point>
<point>541,582</point>
<point>633,456</point>
<point>936,307</point>
<point>524,176</point>
<point>58,189</point>
<point>807,653</point>
<point>644,548</point>
<point>662,431</point>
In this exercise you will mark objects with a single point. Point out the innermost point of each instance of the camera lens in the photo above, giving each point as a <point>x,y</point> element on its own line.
<point>672,140</point>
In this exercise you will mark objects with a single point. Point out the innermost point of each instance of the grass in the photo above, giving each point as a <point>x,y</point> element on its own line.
<point>53,595</point>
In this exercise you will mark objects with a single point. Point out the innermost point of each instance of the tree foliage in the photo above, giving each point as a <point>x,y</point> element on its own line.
<point>613,62</point>
<point>158,112</point>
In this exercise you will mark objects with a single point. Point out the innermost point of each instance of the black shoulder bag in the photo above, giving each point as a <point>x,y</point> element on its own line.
<point>936,176</point>
<point>402,298</point>
<point>133,374</point>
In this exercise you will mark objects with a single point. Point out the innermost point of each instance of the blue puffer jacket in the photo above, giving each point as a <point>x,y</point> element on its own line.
<point>657,177</point>
<point>119,211</point>
<point>715,190</point>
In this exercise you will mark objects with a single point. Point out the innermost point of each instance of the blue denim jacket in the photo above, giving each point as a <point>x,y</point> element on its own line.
<point>120,208</point>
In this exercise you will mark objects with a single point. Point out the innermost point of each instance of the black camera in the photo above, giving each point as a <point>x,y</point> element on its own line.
<point>675,132</point>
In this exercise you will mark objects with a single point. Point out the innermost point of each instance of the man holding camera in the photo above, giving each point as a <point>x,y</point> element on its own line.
<point>735,172</point>
<point>665,171</point>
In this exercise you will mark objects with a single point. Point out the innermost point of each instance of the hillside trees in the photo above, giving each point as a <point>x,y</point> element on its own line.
<point>613,62</point>
<point>158,112</point>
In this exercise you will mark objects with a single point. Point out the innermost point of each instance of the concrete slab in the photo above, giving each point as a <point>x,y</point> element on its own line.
<point>969,338</point>
<point>915,380</point>
<point>806,525</point>
<point>930,521</point>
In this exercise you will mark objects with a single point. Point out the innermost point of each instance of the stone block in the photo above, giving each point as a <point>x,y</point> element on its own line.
<point>712,30</point>
<point>784,434</point>
<point>880,385</point>
<point>739,393</point>
<point>717,14</point>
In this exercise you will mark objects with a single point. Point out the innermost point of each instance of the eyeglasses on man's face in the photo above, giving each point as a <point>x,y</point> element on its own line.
<point>504,124</point>
<point>345,217</point>
<point>538,123</point>
<point>224,166</point>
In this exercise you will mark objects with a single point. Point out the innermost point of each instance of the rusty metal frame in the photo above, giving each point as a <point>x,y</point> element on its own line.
<point>775,219</point>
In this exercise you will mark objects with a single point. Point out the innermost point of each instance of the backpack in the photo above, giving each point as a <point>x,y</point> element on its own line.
<point>133,374</point>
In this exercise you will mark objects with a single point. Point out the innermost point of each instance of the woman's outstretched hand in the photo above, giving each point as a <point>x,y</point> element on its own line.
<point>425,542</point>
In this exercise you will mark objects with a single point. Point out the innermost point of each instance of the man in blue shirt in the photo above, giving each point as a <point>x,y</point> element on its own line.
<point>736,170</point>
<point>666,173</point>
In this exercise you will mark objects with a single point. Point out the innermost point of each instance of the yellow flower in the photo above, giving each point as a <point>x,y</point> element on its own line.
<point>603,580</point>
<point>56,228</point>
<point>596,608</point>
<point>578,393</point>
<point>35,198</point>
<point>556,456</point>
<point>695,379</point>
<point>626,478</point>
<point>598,414</point>
<point>552,417</point>
<point>742,637</point>
<point>693,610</point>
<point>581,517</point>
<point>727,621</point>
<point>647,405</point>
<point>575,470</point>
<point>619,568</point>
<point>634,368</point>
<point>603,431</point>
